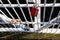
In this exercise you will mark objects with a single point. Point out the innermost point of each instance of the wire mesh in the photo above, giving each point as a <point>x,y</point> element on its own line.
<point>45,25</point>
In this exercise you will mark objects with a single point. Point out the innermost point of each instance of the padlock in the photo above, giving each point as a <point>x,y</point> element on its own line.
<point>34,11</point>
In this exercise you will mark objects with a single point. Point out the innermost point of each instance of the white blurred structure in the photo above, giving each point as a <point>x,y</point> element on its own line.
<point>31,0</point>
<point>20,27</point>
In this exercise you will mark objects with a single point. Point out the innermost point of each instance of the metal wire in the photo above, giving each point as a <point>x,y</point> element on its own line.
<point>52,12</point>
<point>27,5</point>
<point>44,12</point>
<point>8,12</point>
<point>22,13</point>
<point>30,5</point>
<point>37,16</point>
<point>30,14</point>
<point>15,11</point>
<point>59,23</point>
<point>6,17</point>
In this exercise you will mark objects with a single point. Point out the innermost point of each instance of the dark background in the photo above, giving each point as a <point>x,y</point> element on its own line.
<point>48,10</point>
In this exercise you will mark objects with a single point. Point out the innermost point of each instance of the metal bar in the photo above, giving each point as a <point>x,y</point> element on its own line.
<point>30,5</point>
<point>32,23</point>
<point>6,17</point>
<point>22,13</point>
<point>36,5</point>
<point>7,30</point>
<point>30,13</point>
<point>20,30</point>
<point>8,12</point>
<point>59,24</point>
<point>44,11</point>
<point>15,11</point>
<point>52,12</point>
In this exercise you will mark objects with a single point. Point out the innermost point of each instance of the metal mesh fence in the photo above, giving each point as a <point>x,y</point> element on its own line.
<point>15,10</point>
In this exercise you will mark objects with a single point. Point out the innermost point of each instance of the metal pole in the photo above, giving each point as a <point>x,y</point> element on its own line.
<point>38,18</point>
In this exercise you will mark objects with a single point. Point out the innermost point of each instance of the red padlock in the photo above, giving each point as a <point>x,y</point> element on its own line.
<point>34,11</point>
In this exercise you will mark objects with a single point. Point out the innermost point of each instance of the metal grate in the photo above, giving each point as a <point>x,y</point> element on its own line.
<point>37,25</point>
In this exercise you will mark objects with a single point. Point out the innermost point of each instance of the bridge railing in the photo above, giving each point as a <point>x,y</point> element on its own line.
<point>45,25</point>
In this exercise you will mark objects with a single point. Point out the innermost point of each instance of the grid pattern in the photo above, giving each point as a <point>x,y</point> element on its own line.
<point>37,23</point>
